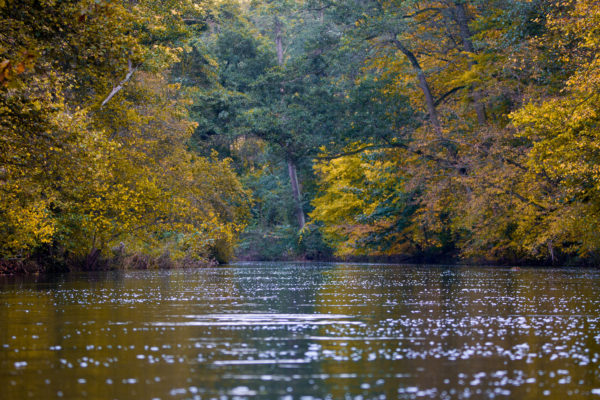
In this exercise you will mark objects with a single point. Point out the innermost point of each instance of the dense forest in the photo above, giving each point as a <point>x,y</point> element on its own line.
<point>178,132</point>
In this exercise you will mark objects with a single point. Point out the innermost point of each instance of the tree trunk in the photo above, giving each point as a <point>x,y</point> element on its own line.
<point>296,192</point>
<point>91,259</point>
<point>430,103</point>
<point>551,252</point>
<point>465,34</point>
<point>278,42</point>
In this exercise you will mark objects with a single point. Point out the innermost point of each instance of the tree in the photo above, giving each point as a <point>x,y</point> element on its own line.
<point>563,130</point>
<point>94,136</point>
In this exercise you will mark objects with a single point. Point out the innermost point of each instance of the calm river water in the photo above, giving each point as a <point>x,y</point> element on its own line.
<point>302,331</point>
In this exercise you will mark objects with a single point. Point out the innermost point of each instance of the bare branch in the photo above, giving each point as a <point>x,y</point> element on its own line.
<point>121,84</point>
<point>448,93</point>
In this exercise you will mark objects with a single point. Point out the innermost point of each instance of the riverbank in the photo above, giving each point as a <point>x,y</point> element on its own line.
<point>37,265</point>
<point>96,262</point>
<point>563,261</point>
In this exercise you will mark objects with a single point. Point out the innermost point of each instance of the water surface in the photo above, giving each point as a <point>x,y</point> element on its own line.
<point>302,331</point>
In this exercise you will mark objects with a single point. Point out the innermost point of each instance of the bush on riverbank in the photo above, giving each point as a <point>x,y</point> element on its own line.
<point>98,262</point>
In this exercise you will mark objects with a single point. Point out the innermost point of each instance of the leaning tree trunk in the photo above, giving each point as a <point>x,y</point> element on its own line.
<point>429,102</point>
<point>292,170</point>
<point>296,193</point>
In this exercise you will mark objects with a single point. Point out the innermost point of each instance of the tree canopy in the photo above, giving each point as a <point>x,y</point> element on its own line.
<point>437,130</point>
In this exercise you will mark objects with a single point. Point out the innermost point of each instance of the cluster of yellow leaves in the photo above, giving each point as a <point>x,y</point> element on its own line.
<point>80,176</point>
<point>347,183</point>
<point>565,135</point>
<point>26,221</point>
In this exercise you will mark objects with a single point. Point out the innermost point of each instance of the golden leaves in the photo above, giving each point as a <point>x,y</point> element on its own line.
<point>86,178</point>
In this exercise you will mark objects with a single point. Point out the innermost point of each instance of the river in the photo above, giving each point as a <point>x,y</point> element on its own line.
<point>302,331</point>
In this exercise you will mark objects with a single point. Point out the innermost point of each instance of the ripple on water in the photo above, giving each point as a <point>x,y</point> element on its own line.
<point>261,319</point>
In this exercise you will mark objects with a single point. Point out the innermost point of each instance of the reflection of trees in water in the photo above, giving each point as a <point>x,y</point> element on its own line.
<point>101,321</point>
<point>28,341</point>
<point>368,294</point>
<point>288,290</point>
<point>558,306</point>
<point>456,312</point>
<point>94,327</point>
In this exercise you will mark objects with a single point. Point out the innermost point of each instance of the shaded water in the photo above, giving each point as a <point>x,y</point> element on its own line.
<point>302,331</point>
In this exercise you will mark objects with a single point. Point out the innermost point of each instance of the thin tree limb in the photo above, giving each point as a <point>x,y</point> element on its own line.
<point>448,93</point>
<point>121,84</point>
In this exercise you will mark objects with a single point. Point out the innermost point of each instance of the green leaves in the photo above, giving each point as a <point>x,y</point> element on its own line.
<point>467,129</point>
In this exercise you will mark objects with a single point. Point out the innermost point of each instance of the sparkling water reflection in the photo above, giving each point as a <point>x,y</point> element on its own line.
<point>303,331</point>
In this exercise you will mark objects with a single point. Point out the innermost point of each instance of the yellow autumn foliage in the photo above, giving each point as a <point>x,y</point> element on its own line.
<point>82,172</point>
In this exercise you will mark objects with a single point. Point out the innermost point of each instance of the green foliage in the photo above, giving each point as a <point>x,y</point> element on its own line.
<point>463,129</point>
<point>271,234</point>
